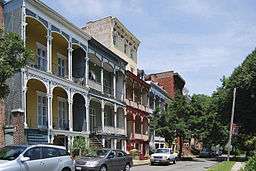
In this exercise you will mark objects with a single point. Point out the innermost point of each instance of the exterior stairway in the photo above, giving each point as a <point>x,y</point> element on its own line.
<point>36,136</point>
<point>95,142</point>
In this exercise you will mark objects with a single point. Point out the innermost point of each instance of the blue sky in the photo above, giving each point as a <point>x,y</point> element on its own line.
<point>200,39</point>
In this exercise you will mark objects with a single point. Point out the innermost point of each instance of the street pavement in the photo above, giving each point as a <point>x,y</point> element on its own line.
<point>196,165</point>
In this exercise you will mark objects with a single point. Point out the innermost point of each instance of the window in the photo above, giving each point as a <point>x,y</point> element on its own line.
<point>114,39</point>
<point>50,152</point>
<point>34,153</point>
<point>63,120</point>
<point>125,48</point>
<point>120,154</point>
<point>61,65</point>
<point>131,53</point>
<point>63,152</point>
<point>42,119</point>
<point>41,56</point>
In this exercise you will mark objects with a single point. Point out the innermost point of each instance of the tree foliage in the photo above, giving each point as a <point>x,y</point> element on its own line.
<point>13,56</point>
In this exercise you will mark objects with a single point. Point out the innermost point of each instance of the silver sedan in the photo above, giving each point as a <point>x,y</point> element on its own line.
<point>35,158</point>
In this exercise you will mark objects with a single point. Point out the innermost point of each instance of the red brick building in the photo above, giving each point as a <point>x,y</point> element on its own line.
<point>1,14</point>
<point>171,82</point>
<point>137,109</point>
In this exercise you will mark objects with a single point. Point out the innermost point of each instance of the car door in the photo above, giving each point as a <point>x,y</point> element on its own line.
<point>121,159</point>
<point>35,162</point>
<point>113,161</point>
<point>50,158</point>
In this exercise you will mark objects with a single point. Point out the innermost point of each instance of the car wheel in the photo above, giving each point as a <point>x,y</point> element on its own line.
<point>127,167</point>
<point>103,168</point>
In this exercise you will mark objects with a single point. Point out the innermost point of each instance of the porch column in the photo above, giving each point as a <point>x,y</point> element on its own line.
<point>133,125</point>
<point>24,96</point>
<point>102,78</point>
<point>103,142</point>
<point>115,144</point>
<point>102,115</point>
<point>125,146</point>
<point>70,113</point>
<point>133,95</point>
<point>141,126</point>
<point>114,84</point>
<point>87,102</point>
<point>141,96</point>
<point>125,122</point>
<point>49,50</point>
<point>49,101</point>
<point>115,116</point>
<point>124,90</point>
<point>70,61</point>
<point>86,70</point>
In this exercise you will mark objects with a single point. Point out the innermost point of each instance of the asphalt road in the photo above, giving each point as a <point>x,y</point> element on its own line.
<point>197,165</point>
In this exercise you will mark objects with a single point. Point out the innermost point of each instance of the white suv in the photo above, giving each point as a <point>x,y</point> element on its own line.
<point>163,156</point>
<point>35,158</point>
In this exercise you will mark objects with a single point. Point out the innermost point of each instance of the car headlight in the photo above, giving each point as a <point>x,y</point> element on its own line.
<point>91,163</point>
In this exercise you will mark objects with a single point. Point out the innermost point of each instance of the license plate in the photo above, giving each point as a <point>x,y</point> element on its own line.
<point>78,168</point>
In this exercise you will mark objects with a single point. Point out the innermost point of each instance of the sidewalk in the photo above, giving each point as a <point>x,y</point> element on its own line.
<point>140,162</point>
<point>237,166</point>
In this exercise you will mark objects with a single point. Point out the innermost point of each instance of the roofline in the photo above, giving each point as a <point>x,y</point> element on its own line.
<point>131,34</point>
<point>119,22</point>
<point>178,75</point>
<point>157,73</point>
<point>133,76</point>
<point>52,13</point>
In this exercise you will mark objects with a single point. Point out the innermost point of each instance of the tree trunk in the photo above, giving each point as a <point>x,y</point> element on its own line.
<point>181,146</point>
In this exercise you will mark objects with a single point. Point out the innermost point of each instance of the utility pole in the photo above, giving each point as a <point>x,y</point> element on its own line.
<point>231,123</point>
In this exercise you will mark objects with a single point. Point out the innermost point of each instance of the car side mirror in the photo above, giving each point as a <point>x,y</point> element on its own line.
<point>24,159</point>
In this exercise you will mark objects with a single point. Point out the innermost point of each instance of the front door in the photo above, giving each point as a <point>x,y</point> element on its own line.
<point>121,159</point>
<point>35,163</point>
<point>113,161</point>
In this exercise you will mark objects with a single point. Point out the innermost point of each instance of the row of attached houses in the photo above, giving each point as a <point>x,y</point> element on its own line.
<point>81,82</point>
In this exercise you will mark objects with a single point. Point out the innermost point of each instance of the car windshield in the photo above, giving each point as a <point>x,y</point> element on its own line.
<point>98,153</point>
<point>162,151</point>
<point>10,152</point>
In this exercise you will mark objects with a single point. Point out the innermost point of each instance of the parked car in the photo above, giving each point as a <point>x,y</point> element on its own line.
<point>163,156</point>
<point>35,158</point>
<point>105,160</point>
<point>207,153</point>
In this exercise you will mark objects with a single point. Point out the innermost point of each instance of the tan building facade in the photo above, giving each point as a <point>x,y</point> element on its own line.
<point>115,36</point>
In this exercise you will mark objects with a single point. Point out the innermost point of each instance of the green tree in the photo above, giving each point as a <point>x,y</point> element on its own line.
<point>13,56</point>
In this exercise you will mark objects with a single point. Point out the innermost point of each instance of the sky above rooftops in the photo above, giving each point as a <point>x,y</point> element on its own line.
<point>202,40</point>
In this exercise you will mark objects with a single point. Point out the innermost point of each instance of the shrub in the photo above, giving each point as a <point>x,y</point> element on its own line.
<point>251,164</point>
<point>134,153</point>
<point>80,147</point>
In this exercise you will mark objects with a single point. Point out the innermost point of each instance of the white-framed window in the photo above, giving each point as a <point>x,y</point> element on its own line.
<point>61,65</point>
<point>41,56</point>
<point>42,110</point>
<point>93,121</point>
<point>63,114</point>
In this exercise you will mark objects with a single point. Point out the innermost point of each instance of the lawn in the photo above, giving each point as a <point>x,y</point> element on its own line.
<point>223,166</point>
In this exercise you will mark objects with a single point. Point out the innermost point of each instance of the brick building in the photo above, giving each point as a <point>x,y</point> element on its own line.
<point>1,13</point>
<point>170,81</point>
